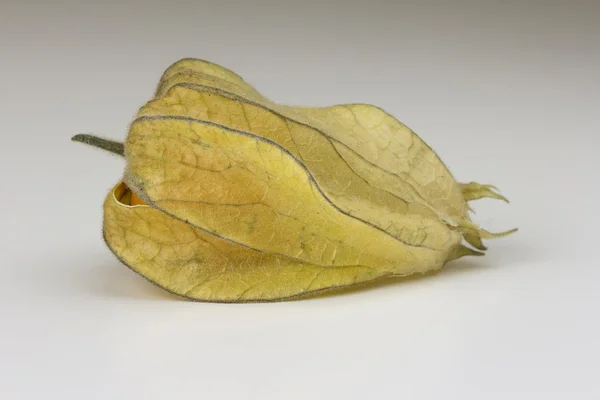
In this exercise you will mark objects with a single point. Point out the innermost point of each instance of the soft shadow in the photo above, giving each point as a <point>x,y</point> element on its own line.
<point>455,268</point>
<point>119,280</point>
<point>84,275</point>
<point>511,254</point>
<point>100,275</point>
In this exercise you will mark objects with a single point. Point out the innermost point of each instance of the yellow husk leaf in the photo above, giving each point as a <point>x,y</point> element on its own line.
<point>242,199</point>
<point>195,264</point>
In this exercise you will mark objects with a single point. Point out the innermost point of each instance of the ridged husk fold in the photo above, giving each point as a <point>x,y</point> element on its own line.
<point>243,199</point>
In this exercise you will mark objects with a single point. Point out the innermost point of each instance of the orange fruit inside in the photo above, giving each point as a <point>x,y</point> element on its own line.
<point>136,201</point>
<point>125,196</point>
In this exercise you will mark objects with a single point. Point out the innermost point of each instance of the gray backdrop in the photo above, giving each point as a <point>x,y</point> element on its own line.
<point>507,92</point>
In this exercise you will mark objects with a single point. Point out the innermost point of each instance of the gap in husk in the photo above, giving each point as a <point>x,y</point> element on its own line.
<point>125,196</point>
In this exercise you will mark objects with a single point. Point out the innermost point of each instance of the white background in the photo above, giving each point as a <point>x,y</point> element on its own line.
<point>506,93</point>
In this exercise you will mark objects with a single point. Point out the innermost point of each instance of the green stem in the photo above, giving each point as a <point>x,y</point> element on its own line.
<point>104,144</point>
